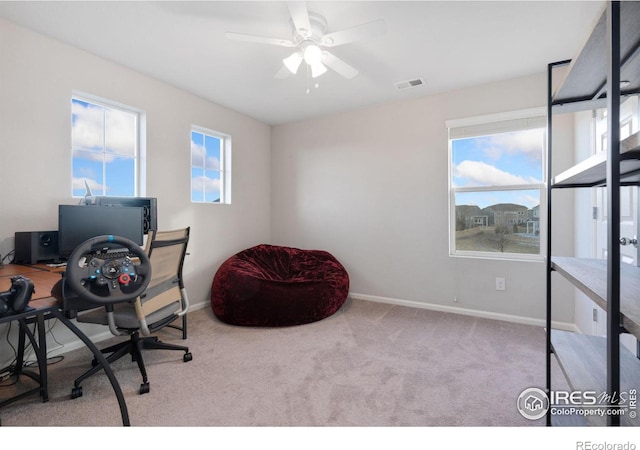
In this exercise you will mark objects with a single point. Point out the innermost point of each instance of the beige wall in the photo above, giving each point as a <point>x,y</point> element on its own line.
<point>371,186</point>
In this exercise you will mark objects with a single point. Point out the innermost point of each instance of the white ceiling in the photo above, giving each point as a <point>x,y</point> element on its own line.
<point>449,44</point>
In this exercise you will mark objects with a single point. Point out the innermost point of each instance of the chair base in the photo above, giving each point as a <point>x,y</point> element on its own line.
<point>133,347</point>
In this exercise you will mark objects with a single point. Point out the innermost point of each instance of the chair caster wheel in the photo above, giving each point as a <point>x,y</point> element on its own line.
<point>144,388</point>
<point>187,357</point>
<point>94,362</point>
<point>76,392</point>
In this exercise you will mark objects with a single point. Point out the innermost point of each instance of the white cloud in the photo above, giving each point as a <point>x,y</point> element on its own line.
<point>97,156</point>
<point>209,184</point>
<point>528,142</point>
<point>121,132</point>
<point>198,152</point>
<point>213,163</point>
<point>479,173</point>
<point>89,124</point>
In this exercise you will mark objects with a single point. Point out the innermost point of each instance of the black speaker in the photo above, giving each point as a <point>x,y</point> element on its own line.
<point>36,246</point>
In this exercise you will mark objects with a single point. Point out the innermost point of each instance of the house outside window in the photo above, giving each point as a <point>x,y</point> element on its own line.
<point>105,140</point>
<point>210,166</point>
<point>496,185</point>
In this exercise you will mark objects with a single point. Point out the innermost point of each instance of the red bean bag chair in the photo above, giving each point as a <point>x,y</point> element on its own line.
<point>271,286</point>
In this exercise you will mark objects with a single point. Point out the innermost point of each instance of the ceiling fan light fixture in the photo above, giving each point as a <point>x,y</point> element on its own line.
<point>317,70</point>
<point>293,62</point>
<point>312,55</point>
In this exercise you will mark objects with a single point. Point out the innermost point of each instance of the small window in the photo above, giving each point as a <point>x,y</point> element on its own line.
<point>105,148</point>
<point>496,185</point>
<point>210,166</point>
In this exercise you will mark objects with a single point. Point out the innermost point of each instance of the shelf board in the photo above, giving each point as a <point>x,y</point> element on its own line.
<point>587,74</point>
<point>593,171</point>
<point>590,276</point>
<point>583,360</point>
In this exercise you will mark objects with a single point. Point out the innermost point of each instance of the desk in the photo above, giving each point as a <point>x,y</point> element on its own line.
<point>43,307</point>
<point>39,307</point>
<point>43,281</point>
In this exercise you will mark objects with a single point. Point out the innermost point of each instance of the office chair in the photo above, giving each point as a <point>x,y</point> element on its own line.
<point>160,239</point>
<point>164,301</point>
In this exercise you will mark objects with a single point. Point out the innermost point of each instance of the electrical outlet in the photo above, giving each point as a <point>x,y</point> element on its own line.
<point>501,284</point>
<point>595,315</point>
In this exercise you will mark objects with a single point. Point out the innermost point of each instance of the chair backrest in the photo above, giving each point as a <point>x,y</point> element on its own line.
<point>165,297</point>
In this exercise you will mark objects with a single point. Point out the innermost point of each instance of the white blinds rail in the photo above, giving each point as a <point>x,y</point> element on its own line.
<point>528,119</point>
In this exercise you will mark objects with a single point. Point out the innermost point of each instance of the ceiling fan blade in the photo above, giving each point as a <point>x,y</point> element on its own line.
<point>341,67</point>
<point>283,73</point>
<point>260,39</point>
<point>357,33</point>
<point>300,17</point>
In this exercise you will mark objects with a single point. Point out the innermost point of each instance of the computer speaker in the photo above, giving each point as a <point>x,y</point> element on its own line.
<point>36,246</point>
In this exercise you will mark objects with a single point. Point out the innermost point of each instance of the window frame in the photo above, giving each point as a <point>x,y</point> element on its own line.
<point>225,164</point>
<point>139,157</point>
<point>494,121</point>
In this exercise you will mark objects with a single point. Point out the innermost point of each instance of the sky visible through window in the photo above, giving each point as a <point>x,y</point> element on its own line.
<point>506,159</point>
<point>104,143</point>
<point>205,168</point>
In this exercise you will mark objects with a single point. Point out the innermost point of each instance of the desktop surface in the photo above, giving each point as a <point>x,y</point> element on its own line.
<point>42,278</point>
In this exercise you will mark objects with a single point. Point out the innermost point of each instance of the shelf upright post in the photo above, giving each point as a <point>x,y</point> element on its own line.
<point>549,179</point>
<point>548,249</point>
<point>613,201</point>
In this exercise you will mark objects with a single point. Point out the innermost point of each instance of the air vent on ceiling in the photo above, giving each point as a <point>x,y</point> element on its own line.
<point>402,85</point>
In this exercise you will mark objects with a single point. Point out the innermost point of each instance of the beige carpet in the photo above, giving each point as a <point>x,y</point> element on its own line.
<point>370,364</point>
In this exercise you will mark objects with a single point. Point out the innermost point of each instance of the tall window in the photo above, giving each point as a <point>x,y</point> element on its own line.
<point>496,185</point>
<point>105,143</point>
<point>210,166</point>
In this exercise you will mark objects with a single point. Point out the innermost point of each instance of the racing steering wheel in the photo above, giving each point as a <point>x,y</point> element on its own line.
<point>104,277</point>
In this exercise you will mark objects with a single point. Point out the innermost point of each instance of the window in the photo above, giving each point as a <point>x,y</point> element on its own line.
<point>105,148</point>
<point>496,184</point>
<point>628,122</point>
<point>210,166</point>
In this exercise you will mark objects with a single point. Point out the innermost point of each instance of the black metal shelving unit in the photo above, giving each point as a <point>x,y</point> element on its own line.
<point>593,80</point>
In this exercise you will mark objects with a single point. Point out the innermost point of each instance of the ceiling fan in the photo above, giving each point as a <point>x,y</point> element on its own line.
<point>310,41</point>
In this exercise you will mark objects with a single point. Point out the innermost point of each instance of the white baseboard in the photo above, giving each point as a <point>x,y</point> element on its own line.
<point>200,305</point>
<point>75,344</point>
<point>464,311</point>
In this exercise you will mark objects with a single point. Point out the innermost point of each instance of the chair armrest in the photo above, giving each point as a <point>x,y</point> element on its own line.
<point>185,302</point>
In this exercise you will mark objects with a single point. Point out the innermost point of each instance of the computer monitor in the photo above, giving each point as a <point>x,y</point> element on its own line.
<point>149,205</point>
<point>77,223</point>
